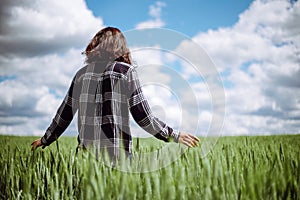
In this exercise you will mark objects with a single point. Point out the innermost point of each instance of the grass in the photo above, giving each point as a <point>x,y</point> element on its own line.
<point>258,167</point>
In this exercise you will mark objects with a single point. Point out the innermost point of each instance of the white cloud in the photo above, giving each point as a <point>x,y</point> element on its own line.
<point>259,62</point>
<point>155,84</point>
<point>259,56</point>
<point>155,20</point>
<point>151,65</point>
<point>40,26</point>
<point>37,90</point>
<point>43,42</point>
<point>156,9</point>
<point>152,23</point>
<point>21,108</point>
<point>172,98</point>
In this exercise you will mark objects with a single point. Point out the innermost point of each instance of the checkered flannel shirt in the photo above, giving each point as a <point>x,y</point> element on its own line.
<point>103,95</point>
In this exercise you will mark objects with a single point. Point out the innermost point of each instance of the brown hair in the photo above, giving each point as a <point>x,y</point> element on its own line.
<point>109,44</point>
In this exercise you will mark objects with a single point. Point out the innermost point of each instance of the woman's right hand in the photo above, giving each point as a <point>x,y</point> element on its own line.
<point>188,139</point>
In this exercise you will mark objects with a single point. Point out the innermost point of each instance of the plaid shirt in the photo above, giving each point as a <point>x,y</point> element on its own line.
<point>103,95</point>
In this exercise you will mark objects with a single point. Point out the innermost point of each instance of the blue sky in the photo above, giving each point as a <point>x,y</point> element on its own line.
<point>187,17</point>
<point>253,45</point>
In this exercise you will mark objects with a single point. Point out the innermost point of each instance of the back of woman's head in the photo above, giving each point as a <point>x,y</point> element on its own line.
<point>109,44</point>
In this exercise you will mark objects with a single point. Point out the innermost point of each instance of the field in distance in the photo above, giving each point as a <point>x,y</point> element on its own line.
<point>256,167</point>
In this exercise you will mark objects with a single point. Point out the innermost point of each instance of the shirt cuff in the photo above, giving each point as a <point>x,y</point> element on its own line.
<point>175,134</point>
<point>44,141</point>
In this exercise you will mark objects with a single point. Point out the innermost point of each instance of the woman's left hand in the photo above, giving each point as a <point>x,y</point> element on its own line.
<point>36,144</point>
<point>188,139</point>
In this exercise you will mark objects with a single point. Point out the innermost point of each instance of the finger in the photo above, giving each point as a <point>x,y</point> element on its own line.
<point>184,141</point>
<point>193,142</point>
<point>194,137</point>
<point>189,142</point>
<point>191,139</point>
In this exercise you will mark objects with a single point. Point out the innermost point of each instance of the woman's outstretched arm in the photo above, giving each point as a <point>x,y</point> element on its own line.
<point>61,121</point>
<point>143,115</point>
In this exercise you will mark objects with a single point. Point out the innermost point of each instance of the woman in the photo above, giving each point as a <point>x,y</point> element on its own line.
<point>103,92</point>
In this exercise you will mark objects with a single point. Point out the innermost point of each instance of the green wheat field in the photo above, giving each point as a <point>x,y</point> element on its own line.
<point>256,167</point>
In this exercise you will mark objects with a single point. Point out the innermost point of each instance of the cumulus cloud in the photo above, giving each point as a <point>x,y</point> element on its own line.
<point>258,58</point>
<point>183,105</point>
<point>41,44</point>
<point>155,80</point>
<point>23,105</point>
<point>151,65</point>
<point>155,20</point>
<point>30,28</point>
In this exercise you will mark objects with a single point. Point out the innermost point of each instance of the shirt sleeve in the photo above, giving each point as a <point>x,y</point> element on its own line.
<point>63,117</point>
<point>142,113</point>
